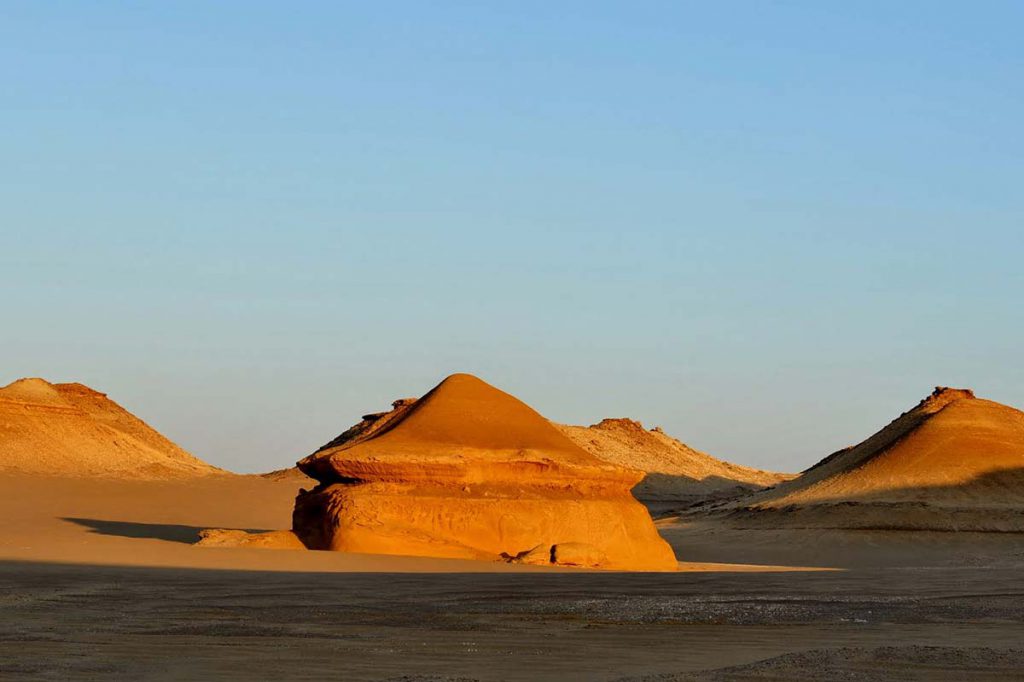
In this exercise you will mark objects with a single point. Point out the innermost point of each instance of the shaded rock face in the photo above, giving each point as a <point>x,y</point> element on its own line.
<point>471,472</point>
<point>953,462</point>
<point>72,430</point>
<point>676,474</point>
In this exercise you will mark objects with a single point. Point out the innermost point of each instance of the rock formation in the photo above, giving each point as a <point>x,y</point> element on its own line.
<point>471,472</point>
<point>230,538</point>
<point>954,462</point>
<point>72,430</point>
<point>676,474</point>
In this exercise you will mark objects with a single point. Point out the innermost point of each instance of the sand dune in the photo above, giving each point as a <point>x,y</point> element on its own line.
<point>72,430</point>
<point>954,462</point>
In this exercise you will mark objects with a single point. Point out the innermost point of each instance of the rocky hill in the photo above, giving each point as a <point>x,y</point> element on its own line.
<point>73,430</point>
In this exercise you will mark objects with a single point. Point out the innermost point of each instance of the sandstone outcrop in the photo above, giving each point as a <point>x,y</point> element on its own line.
<point>676,474</point>
<point>72,430</point>
<point>471,472</point>
<point>226,537</point>
<point>953,462</point>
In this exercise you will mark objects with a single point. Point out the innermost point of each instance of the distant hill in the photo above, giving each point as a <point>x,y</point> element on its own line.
<point>953,462</point>
<point>676,473</point>
<point>72,430</point>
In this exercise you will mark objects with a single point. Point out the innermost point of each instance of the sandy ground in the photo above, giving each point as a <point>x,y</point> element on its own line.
<point>154,523</point>
<point>98,580</point>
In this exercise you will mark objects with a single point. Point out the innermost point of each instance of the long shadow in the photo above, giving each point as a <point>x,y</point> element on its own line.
<point>159,531</point>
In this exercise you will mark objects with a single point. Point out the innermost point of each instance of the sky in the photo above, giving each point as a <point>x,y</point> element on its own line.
<point>768,227</point>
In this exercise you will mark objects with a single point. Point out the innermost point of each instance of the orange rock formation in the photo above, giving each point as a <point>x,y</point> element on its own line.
<point>471,472</point>
<point>72,430</point>
<point>954,462</point>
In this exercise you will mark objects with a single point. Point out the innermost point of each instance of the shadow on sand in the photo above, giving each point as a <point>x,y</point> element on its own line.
<point>158,531</point>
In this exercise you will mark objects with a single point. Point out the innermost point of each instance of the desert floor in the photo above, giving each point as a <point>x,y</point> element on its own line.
<point>98,579</point>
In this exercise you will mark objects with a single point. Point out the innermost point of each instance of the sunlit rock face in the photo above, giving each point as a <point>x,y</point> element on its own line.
<point>953,462</point>
<point>471,472</point>
<point>71,430</point>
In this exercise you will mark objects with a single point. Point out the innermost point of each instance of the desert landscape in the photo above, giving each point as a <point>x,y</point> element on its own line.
<point>512,342</point>
<point>463,536</point>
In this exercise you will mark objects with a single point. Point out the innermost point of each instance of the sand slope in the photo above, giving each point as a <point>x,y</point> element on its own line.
<point>461,417</point>
<point>72,430</point>
<point>953,462</point>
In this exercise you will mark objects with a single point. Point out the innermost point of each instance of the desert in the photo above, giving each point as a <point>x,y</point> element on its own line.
<point>511,342</point>
<point>196,572</point>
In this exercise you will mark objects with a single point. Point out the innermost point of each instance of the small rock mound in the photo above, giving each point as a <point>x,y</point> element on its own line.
<point>224,537</point>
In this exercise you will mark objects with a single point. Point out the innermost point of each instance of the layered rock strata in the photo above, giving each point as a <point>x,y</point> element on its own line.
<point>469,471</point>
<point>72,430</point>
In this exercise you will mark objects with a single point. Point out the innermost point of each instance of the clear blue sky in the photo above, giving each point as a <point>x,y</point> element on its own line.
<point>768,227</point>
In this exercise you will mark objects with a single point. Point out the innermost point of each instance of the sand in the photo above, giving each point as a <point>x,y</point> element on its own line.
<point>98,580</point>
<point>91,622</point>
<point>462,417</point>
<point>156,523</point>
<point>954,463</point>
<point>952,446</point>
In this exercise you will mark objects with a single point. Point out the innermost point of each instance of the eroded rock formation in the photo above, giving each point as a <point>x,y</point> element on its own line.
<point>953,462</point>
<point>72,430</point>
<point>229,537</point>
<point>471,472</point>
<point>676,474</point>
